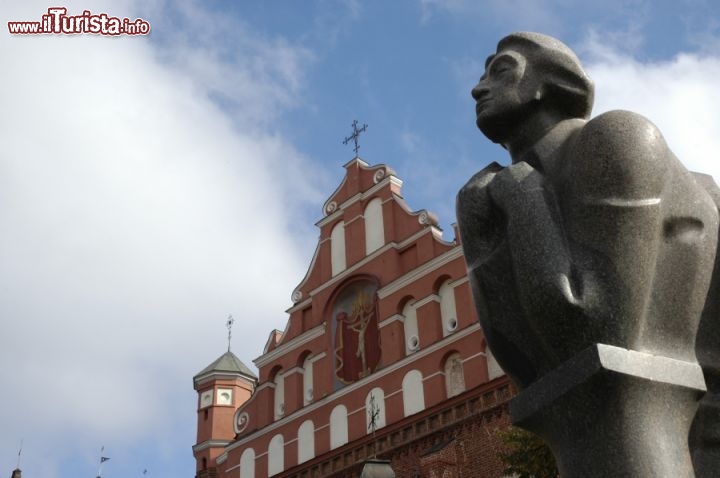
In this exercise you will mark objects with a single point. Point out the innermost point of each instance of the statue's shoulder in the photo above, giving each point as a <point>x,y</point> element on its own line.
<point>475,188</point>
<point>621,154</point>
<point>623,134</point>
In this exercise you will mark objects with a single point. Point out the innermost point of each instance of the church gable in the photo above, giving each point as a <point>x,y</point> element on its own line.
<point>359,178</point>
<point>368,230</point>
<point>366,217</point>
<point>381,335</point>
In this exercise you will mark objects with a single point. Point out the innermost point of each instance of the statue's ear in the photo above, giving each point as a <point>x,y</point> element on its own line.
<point>569,98</point>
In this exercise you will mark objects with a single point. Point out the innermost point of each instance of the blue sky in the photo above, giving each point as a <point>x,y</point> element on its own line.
<point>150,186</point>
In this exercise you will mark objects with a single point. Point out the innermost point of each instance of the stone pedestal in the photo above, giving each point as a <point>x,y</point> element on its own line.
<point>610,411</point>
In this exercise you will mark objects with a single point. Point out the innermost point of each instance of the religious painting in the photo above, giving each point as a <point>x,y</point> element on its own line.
<point>356,338</point>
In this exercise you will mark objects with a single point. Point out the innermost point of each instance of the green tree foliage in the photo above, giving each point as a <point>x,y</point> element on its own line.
<point>525,455</point>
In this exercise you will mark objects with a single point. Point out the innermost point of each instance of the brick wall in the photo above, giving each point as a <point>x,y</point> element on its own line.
<point>468,449</point>
<point>456,439</point>
<point>207,473</point>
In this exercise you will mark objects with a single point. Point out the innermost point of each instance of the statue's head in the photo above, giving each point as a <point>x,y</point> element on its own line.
<point>530,71</point>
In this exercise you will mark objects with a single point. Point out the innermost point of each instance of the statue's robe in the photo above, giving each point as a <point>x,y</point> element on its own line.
<point>603,238</point>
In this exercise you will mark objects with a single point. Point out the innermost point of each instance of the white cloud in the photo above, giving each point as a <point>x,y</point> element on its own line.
<point>410,141</point>
<point>680,95</point>
<point>136,214</point>
<point>254,76</point>
<point>607,43</point>
<point>523,14</point>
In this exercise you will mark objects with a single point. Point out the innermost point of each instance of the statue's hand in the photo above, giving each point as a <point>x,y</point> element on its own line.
<point>475,215</point>
<point>473,201</point>
<point>515,186</point>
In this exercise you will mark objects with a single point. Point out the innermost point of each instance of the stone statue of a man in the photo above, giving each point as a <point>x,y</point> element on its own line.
<point>590,259</point>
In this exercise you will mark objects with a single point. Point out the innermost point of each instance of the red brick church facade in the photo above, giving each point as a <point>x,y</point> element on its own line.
<point>382,354</point>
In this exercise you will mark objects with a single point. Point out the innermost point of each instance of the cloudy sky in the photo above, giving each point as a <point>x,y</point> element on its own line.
<point>150,186</point>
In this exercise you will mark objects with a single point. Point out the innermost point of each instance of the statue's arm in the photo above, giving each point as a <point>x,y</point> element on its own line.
<point>541,262</point>
<point>619,168</point>
<point>475,215</point>
<point>587,245</point>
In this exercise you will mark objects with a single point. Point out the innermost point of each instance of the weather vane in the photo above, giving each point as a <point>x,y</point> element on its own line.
<point>229,325</point>
<point>356,134</point>
<point>373,414</point>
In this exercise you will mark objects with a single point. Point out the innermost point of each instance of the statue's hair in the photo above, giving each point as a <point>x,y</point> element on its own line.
<point>565,82</point>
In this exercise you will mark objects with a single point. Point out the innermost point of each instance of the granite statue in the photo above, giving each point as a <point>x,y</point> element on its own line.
<point>590,258</point>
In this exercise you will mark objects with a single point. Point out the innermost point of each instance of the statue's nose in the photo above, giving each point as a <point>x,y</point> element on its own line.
<point>479,91</point>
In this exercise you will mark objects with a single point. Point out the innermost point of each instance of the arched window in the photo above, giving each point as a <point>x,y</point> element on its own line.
<point>454,376</point>
<point>374,229</point>
<point>447,308</point>
<point>337,248</point>
<point>307,380</point>
<point>276,455</point>
<point>375,404</point>
<point>412,336</point>
<point>413,393</point>
<point>279,405</point>
<point>338,427</point>
<point>247,463</point>
<point>306,441</point>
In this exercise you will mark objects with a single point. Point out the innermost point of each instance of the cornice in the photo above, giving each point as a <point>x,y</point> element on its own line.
<point>282,349</point>
<point>336,396</point>
<point>391,319</point>
<point>415,274</point>
<point>210,444</point>
<point>459,281</point>
<point>222,375</point>
<point>390,179</point>
<point>358,265</point>
<point>426,300</point>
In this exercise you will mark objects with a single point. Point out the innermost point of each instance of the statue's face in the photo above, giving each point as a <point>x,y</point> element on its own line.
<point>503,95</point>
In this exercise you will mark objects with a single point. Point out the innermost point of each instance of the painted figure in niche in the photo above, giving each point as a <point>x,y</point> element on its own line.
<point>357,339</point>
<point>454,375</point>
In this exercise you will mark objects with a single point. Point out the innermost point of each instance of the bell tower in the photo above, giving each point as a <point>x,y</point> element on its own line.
<point>222,387</point>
